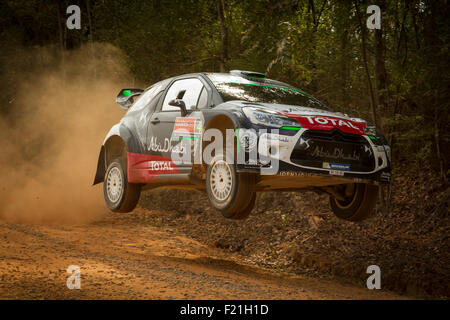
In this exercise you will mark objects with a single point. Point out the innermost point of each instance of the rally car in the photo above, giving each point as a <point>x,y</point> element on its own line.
<point>278,138</point>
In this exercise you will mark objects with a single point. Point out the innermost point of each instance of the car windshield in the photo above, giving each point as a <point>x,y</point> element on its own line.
<point>266,93</point>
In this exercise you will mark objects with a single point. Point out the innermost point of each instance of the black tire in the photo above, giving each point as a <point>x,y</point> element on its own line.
<point>242,215</point>
<point>359,206</point>
<point>235,199</point>
<point>120,196</point>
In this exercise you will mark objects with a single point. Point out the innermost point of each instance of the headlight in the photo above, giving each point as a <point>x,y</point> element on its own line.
<point>375,136</point>
<point>269,118</point>
<point>371,131</point>
<point>387,149</point>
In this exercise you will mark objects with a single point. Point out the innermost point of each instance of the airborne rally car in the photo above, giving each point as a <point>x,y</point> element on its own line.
<point>234,134</point>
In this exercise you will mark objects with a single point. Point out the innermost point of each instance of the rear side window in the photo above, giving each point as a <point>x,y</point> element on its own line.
<point>192,87</point>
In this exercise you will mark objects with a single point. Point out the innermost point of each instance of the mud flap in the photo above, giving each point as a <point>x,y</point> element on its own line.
<point>100,174</point>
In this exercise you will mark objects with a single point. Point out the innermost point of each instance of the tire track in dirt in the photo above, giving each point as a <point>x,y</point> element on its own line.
<point>129,259</point>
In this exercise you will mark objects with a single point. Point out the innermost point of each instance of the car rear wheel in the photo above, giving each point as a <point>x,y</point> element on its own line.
<point>120,196</point>
<point>357,203</point>
<point>228,191</point>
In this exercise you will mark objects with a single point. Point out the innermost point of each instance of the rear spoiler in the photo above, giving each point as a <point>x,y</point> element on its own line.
<point>125,98</point>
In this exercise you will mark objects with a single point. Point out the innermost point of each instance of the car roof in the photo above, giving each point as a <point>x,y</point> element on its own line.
<point>234,76</point>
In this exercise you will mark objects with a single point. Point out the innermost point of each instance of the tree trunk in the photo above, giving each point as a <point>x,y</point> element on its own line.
<point>380,69</point>
<point>224,35</point>
<point>366,66</point>
<point>342,28</point>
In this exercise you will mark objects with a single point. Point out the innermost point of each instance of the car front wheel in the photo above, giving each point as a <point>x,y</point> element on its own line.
<point>357,203</point>
<point>228,191</point>
<point>120,196</point>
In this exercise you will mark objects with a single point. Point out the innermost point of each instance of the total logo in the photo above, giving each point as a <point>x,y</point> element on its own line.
<point>160,165</point>
<point>334,122</point>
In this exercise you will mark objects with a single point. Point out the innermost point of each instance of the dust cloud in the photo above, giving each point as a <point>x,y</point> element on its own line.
<point>52,129</point>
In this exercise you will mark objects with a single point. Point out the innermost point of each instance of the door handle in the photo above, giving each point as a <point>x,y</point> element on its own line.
<point>155,121</point>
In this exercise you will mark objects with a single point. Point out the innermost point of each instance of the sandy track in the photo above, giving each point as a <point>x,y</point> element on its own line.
<point>125,258</point>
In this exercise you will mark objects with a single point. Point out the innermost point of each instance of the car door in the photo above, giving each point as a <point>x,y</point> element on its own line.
<point>166,143</point>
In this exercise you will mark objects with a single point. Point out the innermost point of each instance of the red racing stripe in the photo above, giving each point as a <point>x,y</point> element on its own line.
<point>143,168</point>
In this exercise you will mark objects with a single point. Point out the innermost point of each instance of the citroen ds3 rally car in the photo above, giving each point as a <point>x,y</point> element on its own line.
<point>282,139</point>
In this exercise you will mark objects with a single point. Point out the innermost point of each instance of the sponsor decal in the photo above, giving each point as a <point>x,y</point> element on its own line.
<point>295,174</point>
<point>143,168</point>
<point>178,148</point>
<point>158,146</point>
<point>198,126</point>
<point>187,129</point>
<point>303,144</point>
<point>368,149</point>
<point>276,136</point>
<point>328,123</point>
<point>338,153</point>
<point>184,125</point>
<point>336,166</point>
<point>187,134</point>
<point>166,146</point>
<point>187,125</point>
<point>334,122</point>
<point>160,165</point>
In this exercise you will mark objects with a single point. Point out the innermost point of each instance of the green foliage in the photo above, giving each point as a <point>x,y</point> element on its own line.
<point>411,137</point>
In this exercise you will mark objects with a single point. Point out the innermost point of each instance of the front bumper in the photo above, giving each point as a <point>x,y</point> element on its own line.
<point>341,157</point>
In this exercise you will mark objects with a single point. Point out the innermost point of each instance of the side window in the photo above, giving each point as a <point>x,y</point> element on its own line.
<point>203,99</point>
<point>193,87</point>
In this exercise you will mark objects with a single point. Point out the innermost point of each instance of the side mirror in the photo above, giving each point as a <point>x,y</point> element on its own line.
<point>125,98</point>
<point>180,104</point>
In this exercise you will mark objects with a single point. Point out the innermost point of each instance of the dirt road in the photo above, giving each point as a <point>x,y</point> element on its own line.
<point>123,257</point>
